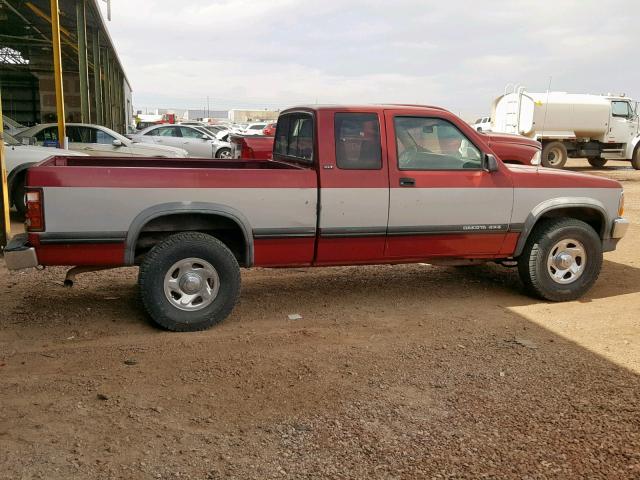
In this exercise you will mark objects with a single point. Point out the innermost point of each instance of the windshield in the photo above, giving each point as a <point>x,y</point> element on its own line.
<point>9,140</point>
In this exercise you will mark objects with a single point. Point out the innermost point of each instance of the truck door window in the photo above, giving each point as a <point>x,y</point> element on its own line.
<point>294,137</point>
<point>433,144</point>
<point>620,109</point>
<point>357,137</point>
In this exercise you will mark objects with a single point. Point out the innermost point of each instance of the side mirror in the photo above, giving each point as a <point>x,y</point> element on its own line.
<point>490,163</point>
<point>116,143</point>
<point>204,137</point>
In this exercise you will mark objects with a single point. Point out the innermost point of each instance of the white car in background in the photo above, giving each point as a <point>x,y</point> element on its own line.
<point>198,141</point>
<point>255,128</point>
<point>483,124</point>
<point>18,158</point>
<point>96,140</point>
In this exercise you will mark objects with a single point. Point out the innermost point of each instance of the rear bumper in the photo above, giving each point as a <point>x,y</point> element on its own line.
<point>620,227</point>
<point>18,254</point>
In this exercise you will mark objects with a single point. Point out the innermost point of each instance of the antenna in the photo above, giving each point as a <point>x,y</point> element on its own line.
<point>544,122</point>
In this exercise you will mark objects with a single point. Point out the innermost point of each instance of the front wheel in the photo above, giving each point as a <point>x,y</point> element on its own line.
<point>189,282</point>
<point>597,162</point>
<point>554,155</point>
<point>224,153</point>
<point>561,259</point>
<point>635,161</point>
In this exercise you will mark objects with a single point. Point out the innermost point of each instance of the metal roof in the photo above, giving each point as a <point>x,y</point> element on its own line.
<point>25,27</point>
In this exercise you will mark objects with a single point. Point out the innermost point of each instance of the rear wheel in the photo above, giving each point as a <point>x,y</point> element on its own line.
<point>224,153</point>
<point>597,162</point>
<point>561,259</point>
<point>554,155</point>
<point>189,282</point>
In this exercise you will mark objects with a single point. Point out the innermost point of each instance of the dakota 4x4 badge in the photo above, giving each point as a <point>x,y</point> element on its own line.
<point>484,227</point>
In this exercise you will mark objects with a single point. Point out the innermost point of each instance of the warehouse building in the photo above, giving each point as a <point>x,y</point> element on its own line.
<point>96,88</point>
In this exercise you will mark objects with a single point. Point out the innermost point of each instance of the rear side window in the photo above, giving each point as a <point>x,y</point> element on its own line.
<point>358,141</point>
<point>294,137</point>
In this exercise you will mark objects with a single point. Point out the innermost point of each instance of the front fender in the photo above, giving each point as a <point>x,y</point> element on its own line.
<point>547,206</point>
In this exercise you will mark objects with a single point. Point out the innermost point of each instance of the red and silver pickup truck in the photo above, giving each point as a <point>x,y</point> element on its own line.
<point>346,186</point>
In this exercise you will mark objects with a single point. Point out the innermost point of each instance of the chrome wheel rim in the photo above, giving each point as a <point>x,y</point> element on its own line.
<point>225,154</point>
<point>191,284</point>
<point>567,261</point>
<point>554,156</point>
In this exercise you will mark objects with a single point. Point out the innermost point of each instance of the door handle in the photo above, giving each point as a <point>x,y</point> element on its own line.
<point>407,182</point>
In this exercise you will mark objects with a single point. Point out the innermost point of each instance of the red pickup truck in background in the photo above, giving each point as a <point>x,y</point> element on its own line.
<point>508,148</point>
<point>346,186</point>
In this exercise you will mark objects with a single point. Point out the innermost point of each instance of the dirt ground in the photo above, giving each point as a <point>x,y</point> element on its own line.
<point>393,372</point>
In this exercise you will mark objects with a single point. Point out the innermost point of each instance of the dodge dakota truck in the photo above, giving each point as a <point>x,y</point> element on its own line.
<point>346,186</point>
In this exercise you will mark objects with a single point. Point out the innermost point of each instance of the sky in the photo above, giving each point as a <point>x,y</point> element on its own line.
<point>450,53</point>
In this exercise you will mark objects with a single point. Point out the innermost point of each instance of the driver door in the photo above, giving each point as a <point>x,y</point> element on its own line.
<point>622,125</point>
<point>442,202</point>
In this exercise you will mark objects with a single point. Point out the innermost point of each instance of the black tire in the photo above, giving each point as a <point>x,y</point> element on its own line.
<point>17,194</point>
<point>159,261</point>
<point>532,264</point>
<point>224,153</point>
<point>554,155</point>
<point>635,160</point>
<point>597,162</point>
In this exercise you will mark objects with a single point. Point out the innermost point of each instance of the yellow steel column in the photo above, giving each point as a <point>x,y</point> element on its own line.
<point>57,70</point>
<point>6,220</point>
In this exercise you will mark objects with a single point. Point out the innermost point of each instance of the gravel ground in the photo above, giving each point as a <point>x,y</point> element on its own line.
<point>393,372</point>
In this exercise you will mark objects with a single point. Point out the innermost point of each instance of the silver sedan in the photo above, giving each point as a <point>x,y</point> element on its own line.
<point>198,141</point>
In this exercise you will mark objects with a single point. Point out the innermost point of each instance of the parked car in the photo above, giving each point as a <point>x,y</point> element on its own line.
<point>269,130</point>
<point>18,158</point>
<point>254,128</point>
<point>346,186</point>
<point>196,140</point>
<point>96,140</point>
<point>483,124</point>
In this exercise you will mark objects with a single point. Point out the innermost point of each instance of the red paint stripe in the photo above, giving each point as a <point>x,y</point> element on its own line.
<point>81,254</point>
<point>283,252</point>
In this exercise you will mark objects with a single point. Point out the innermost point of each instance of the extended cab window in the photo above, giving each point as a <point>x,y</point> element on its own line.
<point>433,144</point>
<point>294,136</point>
<point>358,141</point>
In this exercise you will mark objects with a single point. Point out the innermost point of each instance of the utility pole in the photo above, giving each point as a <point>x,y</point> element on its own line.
<point>4,214</point>
<point>57,71</point>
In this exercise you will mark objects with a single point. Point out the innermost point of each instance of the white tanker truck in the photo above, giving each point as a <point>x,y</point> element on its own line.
<point>596,127</point>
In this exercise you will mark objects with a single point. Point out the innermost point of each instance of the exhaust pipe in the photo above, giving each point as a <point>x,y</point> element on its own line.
<point>70,277</point>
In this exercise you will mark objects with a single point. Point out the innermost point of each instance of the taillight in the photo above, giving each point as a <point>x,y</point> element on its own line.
<point>35,210</point>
